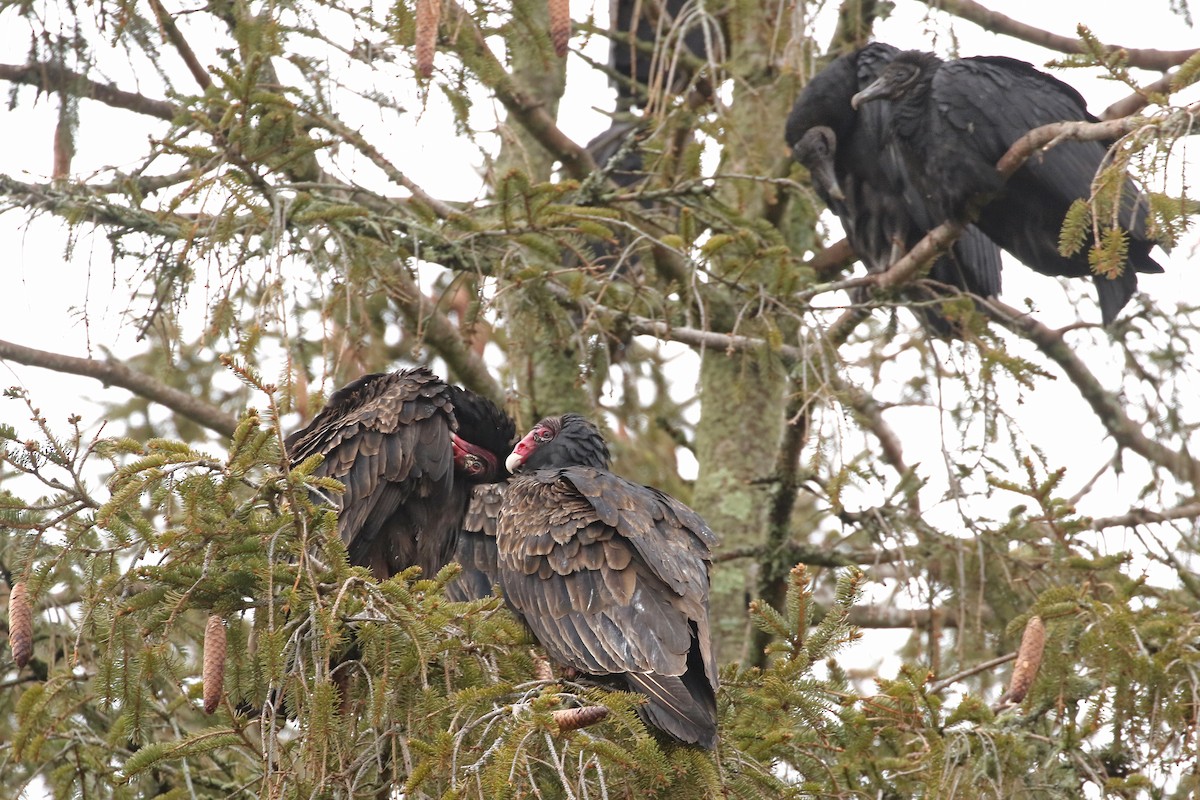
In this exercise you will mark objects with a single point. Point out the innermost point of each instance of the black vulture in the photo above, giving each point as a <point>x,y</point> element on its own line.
<point>612,577</point>
<point>408,447</point>
<point>865,182</point>
<point>953,120</point>
<point>644,55</point>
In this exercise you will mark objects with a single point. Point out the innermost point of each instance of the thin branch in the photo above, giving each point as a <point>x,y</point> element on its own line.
<point>1139,99</point>
<point>360,143</point>
<point>51,77</point>
<point>174,35</point>
<point>996,22</point>
<point>531,114</point>
<point>984,666</point>
<point>877,616</point>
<point>811,555</point>
<point>776,562</point>
<point>871,416</point>
<point>435,329</point>
<point>1144,516</point>
<point>1107,407</point>
<point>115,373</point>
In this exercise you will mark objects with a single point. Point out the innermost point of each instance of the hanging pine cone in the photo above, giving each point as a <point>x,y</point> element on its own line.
<point>1029,659</point>
<point>570,719</point>
<point>20,624</point>
<point>428,14</point>
<point>560,25</point>
<point>214,663</point>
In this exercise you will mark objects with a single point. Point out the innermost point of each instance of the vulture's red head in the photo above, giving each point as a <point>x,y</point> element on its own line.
<point>555,442</point>
<point>483,437</point>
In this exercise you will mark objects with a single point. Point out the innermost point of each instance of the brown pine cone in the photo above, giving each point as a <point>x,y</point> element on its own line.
<point>1029,659</point>
<point>570,719</point>
<point>214,663</point>
<point>20,624</point>
<point>428,14</point>
<point>560,25</point>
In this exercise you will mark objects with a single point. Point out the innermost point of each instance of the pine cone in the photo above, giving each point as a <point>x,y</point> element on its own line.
<point>560,25</point>
<point>428,14</point>
<point>541,667</point>
<point>570,719</point>
<point>214,662</point>
<point>20,624</point>
<point>1029,659</point>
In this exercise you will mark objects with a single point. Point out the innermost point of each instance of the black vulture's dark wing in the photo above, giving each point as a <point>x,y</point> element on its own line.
<point>994,101</point>
<point>476,549</point>
<point>386,437</point>
<point>612,578</point>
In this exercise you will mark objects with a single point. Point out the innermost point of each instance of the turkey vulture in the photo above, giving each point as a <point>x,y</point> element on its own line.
<point>407,446</point>
<point>476,549</point>
<point>611,576</point>
<point>953,120</point>
<point>864,180</point>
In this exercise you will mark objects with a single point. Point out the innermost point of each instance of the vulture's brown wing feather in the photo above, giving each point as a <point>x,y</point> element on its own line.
<point>386,437</point>
<point>476,549</point>
<point>612,578</point>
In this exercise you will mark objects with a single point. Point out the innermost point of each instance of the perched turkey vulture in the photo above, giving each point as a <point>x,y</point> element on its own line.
<point>611,576</point>
<point>476,548</point>
<point>863,179</point>
<point>953,120</point>
<point>408,447</point>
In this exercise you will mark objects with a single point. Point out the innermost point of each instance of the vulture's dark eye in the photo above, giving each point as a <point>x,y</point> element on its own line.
<point>473,465</point>
<point>541,436</point>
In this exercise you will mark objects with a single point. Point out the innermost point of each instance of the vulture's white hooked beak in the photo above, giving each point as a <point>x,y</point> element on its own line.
<point>521,452</point>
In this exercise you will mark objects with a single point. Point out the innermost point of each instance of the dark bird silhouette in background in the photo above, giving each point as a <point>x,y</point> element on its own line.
<point>865,182</point>
<point>611,576</point>
<point>648,37</point>
<point>408,447</point>
<point>953,120</point>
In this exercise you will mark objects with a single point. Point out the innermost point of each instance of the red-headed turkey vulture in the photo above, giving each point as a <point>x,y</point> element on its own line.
<point>408,448</point>
<point>953,120</point>
<point>611,576</point>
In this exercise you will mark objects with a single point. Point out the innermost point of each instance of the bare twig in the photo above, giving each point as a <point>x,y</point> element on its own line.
<point>1144,516</point>
<point>1105,404</point>
<point>996,22</point>
<point>436,329</point>
<point>51,77</point>
<point>175,36</point>
<point>115,373</point>
<point>984,666</point>
<point>1139,99</point>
